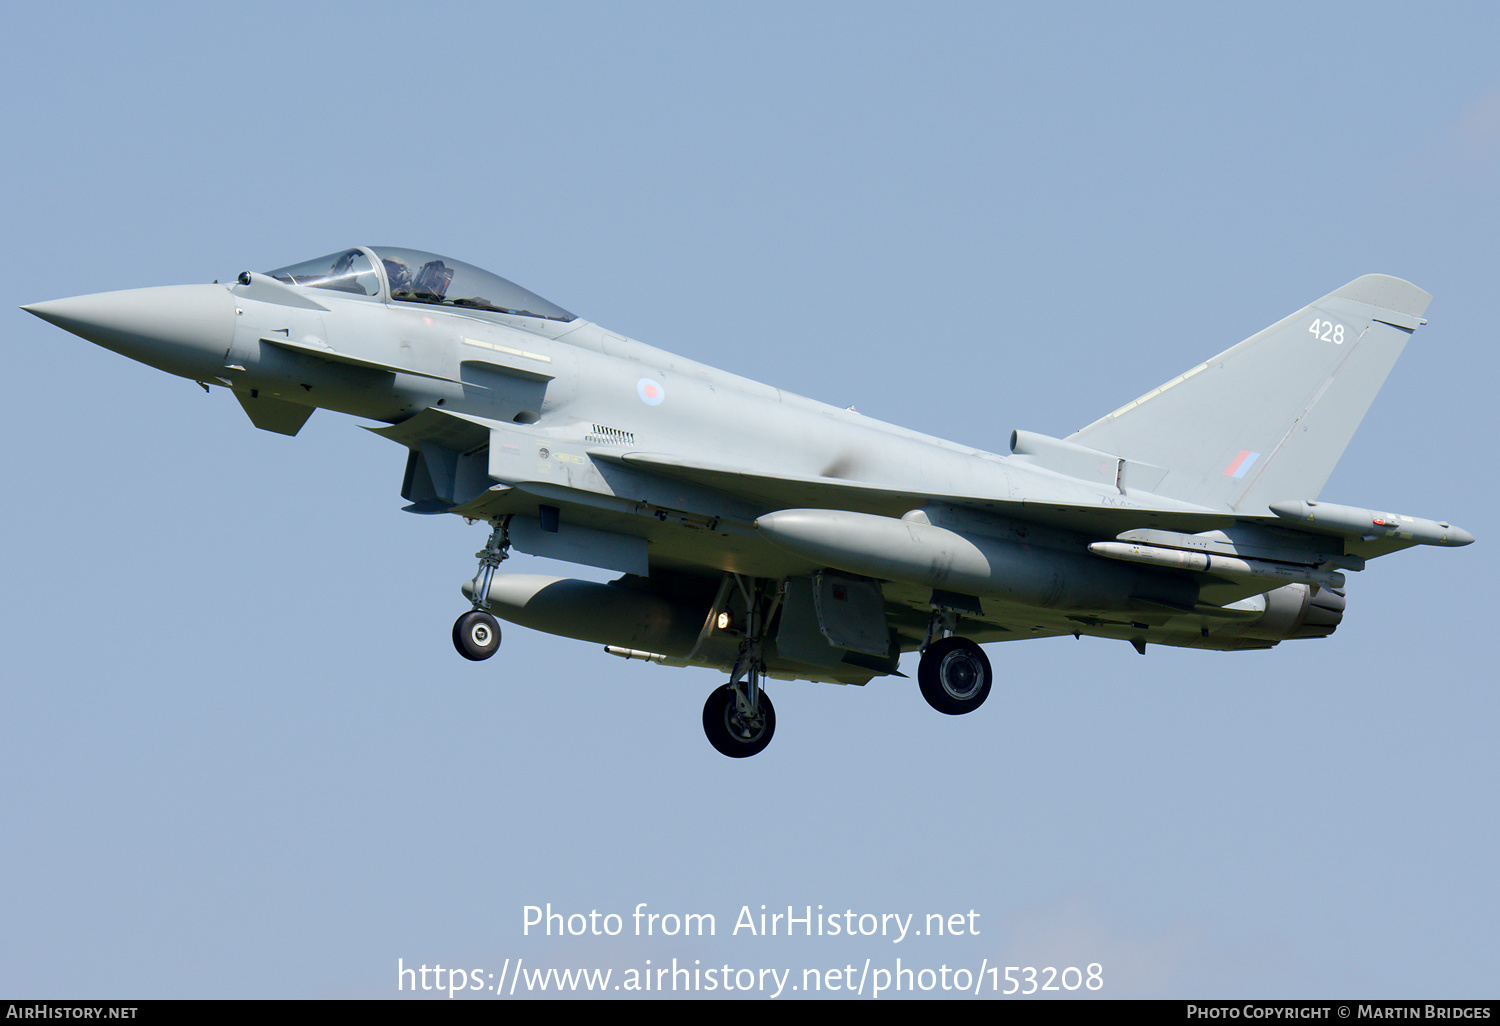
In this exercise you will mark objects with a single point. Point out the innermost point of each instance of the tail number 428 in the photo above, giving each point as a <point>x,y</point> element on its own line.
<point>1327,331</point>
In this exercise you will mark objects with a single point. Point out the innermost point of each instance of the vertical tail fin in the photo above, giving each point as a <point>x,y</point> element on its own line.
<point>1266,420</point>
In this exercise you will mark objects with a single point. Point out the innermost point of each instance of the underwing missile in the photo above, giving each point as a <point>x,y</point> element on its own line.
<point>1213,563</point>
<point>969,563</point>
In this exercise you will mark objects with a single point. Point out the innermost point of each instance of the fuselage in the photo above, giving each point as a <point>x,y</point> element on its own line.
<point>769,534</point>
<point>611,452</point>
<point>489,365</point>
<point>564,385</point>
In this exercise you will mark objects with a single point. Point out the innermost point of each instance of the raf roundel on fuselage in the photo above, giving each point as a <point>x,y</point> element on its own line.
<point>413,276</point>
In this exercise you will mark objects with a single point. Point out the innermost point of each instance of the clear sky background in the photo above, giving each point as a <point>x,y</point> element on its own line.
<point>241,757</point>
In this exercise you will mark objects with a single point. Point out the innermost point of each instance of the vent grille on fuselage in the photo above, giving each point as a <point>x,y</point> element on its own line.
<point>602,435</point>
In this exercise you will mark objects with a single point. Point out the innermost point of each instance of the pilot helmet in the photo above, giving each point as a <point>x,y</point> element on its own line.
<point>397,272</point>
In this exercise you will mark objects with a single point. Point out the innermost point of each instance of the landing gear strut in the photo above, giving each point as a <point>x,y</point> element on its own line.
<point>739,718</point>
<point>476,634</point>
<point>954,673</point>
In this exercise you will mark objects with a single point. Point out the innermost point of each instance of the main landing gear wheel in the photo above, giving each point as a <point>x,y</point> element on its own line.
<point>476,635</point>
<point>732,732</point>
<point>955,676</point>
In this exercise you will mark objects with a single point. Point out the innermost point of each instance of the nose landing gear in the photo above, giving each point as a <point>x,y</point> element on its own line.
<point>476,634</point>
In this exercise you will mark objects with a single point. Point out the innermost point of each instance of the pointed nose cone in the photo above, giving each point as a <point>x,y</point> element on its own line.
<point>182,329</point>
<point>1458,536</point>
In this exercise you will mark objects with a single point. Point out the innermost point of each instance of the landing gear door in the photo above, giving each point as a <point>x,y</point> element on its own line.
<point>800,636</point>
<point>851,614</point>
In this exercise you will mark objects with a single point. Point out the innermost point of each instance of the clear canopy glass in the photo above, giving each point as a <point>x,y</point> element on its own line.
<point>348,270</point>
<point>414,276</point>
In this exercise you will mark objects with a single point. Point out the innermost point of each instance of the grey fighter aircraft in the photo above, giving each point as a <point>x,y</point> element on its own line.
<point>767,535</point>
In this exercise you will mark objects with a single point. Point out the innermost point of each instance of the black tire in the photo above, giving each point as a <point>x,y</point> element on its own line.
<point>476,635</point>
<point>955,676</point>
<point>729,733</point>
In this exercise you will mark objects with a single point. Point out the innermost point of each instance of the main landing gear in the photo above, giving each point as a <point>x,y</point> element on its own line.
<point>954,673</point>
<point>738,717</point>
<point>476,634</point>
<point>735,729</point>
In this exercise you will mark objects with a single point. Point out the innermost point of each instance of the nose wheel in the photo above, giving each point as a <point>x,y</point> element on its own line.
<point>476,635</point>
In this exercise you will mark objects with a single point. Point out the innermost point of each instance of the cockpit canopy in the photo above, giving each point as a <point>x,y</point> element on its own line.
<point>412,276</point>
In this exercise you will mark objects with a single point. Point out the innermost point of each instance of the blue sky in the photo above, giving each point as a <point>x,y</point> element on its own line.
<point>242,759</point>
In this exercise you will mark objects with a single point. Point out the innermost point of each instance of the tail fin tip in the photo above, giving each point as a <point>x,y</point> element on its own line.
<point>1387,293</point>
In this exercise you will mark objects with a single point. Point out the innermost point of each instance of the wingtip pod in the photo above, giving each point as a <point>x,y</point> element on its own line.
<point>1331,518</point>
<point>1388,293</point>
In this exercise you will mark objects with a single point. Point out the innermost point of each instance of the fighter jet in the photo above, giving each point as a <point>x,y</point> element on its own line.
<point>771,536</point>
